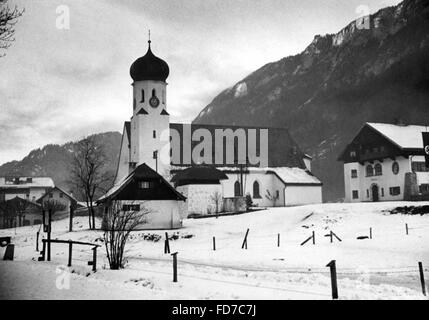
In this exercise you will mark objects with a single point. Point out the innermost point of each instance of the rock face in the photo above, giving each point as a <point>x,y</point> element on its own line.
<point>375,69</point>
<point>54,161</point>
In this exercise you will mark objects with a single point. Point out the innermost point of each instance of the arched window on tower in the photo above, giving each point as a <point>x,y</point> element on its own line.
<point>153,93</point>
<point>237,189</point>
<point>142,96</point>
<point>256,194</point>
<point>134,104</point>
<point>163,96</point>
<point>369,171</point>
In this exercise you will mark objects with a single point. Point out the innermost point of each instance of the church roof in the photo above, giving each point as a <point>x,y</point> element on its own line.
<point>283,151</point>
<point>149,67</point>
<point>127,188</point>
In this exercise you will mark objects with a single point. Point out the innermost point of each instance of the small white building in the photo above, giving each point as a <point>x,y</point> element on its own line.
<point>386,162</point>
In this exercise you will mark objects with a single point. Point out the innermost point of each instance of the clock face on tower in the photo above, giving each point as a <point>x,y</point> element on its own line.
<point>154,102</point>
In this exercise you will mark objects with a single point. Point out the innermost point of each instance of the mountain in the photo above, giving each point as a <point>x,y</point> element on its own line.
<point>54,160</point>
<point>375,69</point>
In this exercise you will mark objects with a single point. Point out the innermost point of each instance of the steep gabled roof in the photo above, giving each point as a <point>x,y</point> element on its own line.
<point>127,188</point>
<point>404,136</point>
<point>71,198</point>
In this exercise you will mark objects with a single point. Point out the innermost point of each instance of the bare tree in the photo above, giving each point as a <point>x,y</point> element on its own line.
<point>118,225</point>
<point>272,197</point>
<point>88,173</point>
<point>8,19</point>
<point>217,199</point>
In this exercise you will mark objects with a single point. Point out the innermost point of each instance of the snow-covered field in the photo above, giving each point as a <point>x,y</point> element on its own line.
<point>382,268</point>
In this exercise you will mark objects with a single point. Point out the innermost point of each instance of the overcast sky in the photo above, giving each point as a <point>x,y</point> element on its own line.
<point>58,85</point>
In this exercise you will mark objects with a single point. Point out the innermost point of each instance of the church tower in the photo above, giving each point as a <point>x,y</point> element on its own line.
<point>150,123</point>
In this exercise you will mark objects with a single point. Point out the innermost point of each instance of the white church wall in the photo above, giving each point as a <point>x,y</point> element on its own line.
<point>199,199</point>
<point>124,159</point>
<point>301,195</point>
<point>266,182</point>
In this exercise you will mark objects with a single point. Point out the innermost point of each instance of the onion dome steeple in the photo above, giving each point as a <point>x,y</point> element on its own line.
<point>149,67</point>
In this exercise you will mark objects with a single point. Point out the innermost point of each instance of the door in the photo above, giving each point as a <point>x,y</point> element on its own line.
<point>375,196</point>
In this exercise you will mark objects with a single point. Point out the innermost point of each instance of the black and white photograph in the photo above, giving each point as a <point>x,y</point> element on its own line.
<point>214,150</point>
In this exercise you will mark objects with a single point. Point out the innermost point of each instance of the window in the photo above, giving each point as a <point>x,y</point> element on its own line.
<point>155,154</point>
<point>134,104</point>
<point>256,194</point>
<point>163,96</point>
<point>27,196</point>
<point>369,171</point>
<point>142,96</point>
<point>395,167</point>
<point>382,192</point>
<point>367,193</point>
<point>355,194</point>
<point>353,154</point>
<point>61,195</point>
<point>378,169</point>
<point>395,191</point>
<point>153,93</point>
<point>237,189</point>
<point>51,195</point>
<point>154,134</point>
<point>145,185</point>
<point>354,173</point>
<point>419,167</point>
<point>277,194</point>
<point>131,207</point>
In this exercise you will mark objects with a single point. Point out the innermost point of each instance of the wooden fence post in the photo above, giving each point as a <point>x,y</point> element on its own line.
<point>314,237</point>
<point>422,278</point>
<point>70,253</point>
<point>49,233</point>
<point>370,233</point>
<point>166,244</point>
<point>244,245</point>
<point>333,268</point>
<point>331,236</point>
<point>37,241</point>
<point>94,259</point>
<point>214,243</point>
<point>406,229</point>
<point>71,218</point>
<point>278,240</point>
<point>42,258</point>
<point>174,266</point>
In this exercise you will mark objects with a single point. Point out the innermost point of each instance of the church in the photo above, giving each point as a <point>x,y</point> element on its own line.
<point>211,167</point>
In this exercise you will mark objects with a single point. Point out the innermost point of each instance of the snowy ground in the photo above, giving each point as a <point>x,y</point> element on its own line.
<point>382,268</point>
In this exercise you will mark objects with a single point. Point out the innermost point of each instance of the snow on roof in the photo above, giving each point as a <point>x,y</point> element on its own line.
<point>295,176</point>
<point>286,174</point>
<point>405,136</point>
<point>26,182</point>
